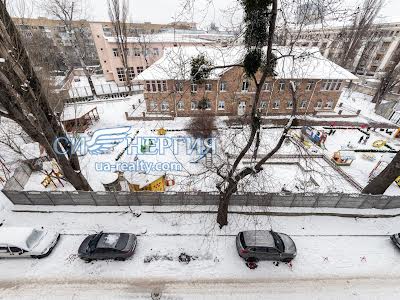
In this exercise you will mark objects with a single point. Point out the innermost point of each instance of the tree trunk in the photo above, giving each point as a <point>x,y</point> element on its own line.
<point>381,183</point>
<point>224,199</point>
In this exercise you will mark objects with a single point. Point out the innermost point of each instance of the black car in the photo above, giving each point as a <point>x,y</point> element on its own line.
<point>118,246</point>
<point>396,239</point>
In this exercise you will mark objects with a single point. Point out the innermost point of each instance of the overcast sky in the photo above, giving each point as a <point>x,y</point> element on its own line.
<point>164,11</point>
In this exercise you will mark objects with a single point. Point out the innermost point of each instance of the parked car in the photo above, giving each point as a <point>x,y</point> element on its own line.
<point>265,245</point>
<point>396,239</point>
<point>118,246</point>
<point>27,242</point>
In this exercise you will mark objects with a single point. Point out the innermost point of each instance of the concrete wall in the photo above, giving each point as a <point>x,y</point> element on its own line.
<point>176,199</point>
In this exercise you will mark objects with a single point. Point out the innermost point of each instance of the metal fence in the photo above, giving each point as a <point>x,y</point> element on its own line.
<point>177,199</point>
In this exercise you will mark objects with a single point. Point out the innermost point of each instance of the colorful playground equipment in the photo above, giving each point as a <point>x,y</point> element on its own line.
<point>313,135</point>
<point>343,157</point>
<point>379,144</point>
<point>161,131</point>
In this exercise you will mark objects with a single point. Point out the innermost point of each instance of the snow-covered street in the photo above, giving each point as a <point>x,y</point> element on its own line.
<point>338,257</point>
<point>366,289</point>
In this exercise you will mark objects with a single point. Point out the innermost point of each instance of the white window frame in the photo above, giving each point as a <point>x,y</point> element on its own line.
<point>115,52</point>
<point>179,86</point>
<point>245,86</point>
<point>317,106</point>
<point>180,105</point>
<point>282,85</point>
<point>193,87</point>
<point>221,105</point>
<point>194,105</point>
<point>164,105</point>
<point>276,104</point>
<point>222,86</point>
<point>208,87</point>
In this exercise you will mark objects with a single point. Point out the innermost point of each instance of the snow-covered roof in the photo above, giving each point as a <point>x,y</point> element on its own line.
<point>72,112</point>
<point>15,236</point>
<point>31,150</point>
<point>140,179</point>
<point>292,63</point>
<point>164,37</point>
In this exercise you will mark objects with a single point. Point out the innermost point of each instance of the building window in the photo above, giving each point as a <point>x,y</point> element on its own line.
<point>164,105</point>
<point>179,86</point>
<point>193,105</point>
<point>153,105</point>
<point>139,70</point>
<point>222,86</point>
<point>156,52</point>
<point>245,86</point>
<point>180,105</point>
<point>208,86</point>
<point>136,51</point>
<point>164,86</point>
<point>267,86</point>
<point>281,86</point>
<point>115,52</point>
<point>318,105</point>
<point>131,73</point>
<point>263,104</point>
<point>221,105</point>
<point>310,85</point>
<point>331,85</point>
<point>303,104</point>
<point>276,104</point>
<point>329,104</point>
<point>148,86</point>
<point>289,104</point>
<point>154,86</point>
<point>159,86</point>
<point>193,87</point>
<point>121,74</point>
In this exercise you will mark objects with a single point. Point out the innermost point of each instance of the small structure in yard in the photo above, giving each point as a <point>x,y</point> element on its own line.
<point>111,181</point>
<point>381,165</point>
<point>314,135</point>
<point>139,182</point>
<point>78,120</point>
<point>343,157</point>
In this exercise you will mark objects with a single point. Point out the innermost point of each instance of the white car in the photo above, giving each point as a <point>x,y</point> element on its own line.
<point>26,242</point>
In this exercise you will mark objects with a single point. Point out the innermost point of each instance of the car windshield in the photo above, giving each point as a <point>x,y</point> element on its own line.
<point>93,242</point>
<point>278,241</point>
<point>34,238</point>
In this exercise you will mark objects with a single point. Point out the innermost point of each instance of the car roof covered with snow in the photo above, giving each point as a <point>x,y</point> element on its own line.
<point>16,236</point>
<point>260,238</point>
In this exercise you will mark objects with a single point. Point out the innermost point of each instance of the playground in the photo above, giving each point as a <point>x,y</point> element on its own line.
<point>312,159</point>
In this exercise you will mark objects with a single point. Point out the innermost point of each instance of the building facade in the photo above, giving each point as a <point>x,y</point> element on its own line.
<point>231,93</point>
<point>370,66</point>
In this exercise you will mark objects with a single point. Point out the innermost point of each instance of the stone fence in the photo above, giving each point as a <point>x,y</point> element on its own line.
<point>358,201</point>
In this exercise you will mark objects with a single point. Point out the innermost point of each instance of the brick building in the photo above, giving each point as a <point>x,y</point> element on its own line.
<point>228,91</point>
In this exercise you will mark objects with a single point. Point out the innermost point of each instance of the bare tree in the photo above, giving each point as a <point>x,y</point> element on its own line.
<point>384,180</point>
<point>24,101</point>
<point>389,80</point>
<point>352,37</point>
<point>118,13</point>
<point>66,11</point>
